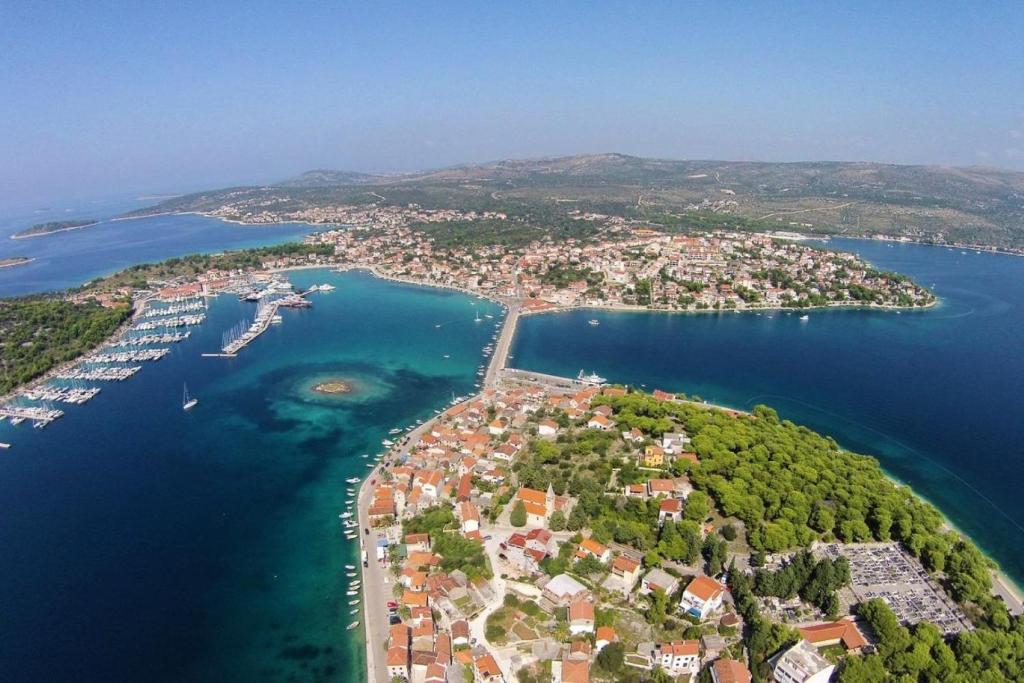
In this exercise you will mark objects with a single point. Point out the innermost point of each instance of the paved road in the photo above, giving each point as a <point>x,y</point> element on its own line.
<point>378,582</point>
<point>501,349</point>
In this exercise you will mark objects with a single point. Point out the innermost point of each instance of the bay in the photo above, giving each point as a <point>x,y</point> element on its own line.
<point>935,395</point>
<point>142,542</point>
<point>70,258</point>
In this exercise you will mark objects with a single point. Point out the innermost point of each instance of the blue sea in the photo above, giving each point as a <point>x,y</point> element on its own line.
<point>144,543</point>
<point>70,258</point>
<point>935,394</point>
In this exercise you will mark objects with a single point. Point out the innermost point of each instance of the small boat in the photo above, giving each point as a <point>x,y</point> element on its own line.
<point>353,602</point>
<point>187,402</point>
<point>350,566</point>
<point>805,318</point>
<point>364,455</point>
<point>326,288</point>
<point>396,430</point>
<point>594,321</point>
<point>355,611</point>
<point>4,445</point>
<point>351,575</point>
<point>353,625</point>
<point>346,515</point>
<point>387,442</point>
<point>353,480</point>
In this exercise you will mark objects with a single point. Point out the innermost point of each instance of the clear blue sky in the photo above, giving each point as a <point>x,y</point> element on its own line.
<point>100,97</point>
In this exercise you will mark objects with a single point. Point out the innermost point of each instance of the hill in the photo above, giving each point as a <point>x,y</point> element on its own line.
<point>943,204</point>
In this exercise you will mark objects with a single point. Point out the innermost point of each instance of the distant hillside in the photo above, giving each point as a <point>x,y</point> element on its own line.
<point>931,203</point>
<point>325,178</point>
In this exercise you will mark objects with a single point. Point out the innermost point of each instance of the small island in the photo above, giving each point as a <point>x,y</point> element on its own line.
<point>15,261</point>
<point>40,229</point>
<point>334,387</point>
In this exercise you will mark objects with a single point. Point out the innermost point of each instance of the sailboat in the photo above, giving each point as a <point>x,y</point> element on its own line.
<point>188,403</point>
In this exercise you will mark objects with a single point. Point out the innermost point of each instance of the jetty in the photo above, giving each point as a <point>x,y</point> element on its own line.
<point>40,416</point>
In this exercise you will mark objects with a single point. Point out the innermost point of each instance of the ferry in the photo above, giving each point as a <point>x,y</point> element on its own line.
<point>592,378</point>
<point>594,322</point>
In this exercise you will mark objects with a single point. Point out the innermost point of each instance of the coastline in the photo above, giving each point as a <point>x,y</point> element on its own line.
<point>20,262</point>
<point>18,236</point>
<point>625,308</point>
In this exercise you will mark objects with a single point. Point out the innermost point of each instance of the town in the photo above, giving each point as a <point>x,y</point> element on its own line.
<point>556,530</point>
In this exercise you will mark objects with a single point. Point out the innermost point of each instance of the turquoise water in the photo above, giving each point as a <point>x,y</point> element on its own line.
<point>935,395</point>
<point>145,543</point>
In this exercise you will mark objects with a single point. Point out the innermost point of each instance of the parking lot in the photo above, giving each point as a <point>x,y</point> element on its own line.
<point>884,570</point>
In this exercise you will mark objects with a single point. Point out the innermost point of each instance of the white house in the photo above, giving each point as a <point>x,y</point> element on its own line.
<point>702,597</point>
<point>680,657</point>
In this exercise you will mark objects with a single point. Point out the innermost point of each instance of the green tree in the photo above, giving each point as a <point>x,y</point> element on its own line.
<point>518,515</point>
<point>557,521</point>
<point>611,658</point>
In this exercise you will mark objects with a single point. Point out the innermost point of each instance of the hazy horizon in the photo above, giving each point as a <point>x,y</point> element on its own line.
<point>100,99</point>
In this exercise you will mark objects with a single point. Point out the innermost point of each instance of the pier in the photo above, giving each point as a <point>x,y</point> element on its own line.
<point>39,416</point>
<point>264,317</point>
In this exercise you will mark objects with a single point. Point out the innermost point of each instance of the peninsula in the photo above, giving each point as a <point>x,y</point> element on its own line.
<point>561,529</point>
<point>40,229</point>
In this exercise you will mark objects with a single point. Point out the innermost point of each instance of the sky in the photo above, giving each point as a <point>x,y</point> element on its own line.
<point>100,98</point>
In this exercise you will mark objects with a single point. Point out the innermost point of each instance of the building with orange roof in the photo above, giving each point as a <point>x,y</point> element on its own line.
<point>570,671</point>
<point>590,548</point>
<point>398,662</point>
<point>702,596</point>
<point>680,657</point>
<point>670,508</point>
<point>581,617</point>
<point>417,542</point>
<point>606,635</point>
<point>729,671</point>
<point>663,395</point>
<point>626,569</point>
<point>843,632</point>
<point>599,422</point>
<point>414,599</point>
<point>470,517</point>
<point>486,669</point>
<point>547,428</point>
<point>422,559</point>
<point>436,673</point>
